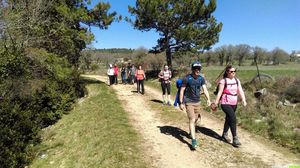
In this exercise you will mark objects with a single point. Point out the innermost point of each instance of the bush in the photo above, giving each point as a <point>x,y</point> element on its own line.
<point>35,94</point>
<point>18,131</point>
<point>292,93</point>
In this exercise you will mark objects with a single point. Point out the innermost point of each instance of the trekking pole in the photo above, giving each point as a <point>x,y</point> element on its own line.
<point>216,80</point>
<point>258,74</point>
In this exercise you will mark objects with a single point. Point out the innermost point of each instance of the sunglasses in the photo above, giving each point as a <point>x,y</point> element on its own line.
<point>232,71</point>
<point>196,69</point>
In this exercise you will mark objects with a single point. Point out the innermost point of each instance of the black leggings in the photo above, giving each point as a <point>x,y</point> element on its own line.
<point>111,79</point>
<point>164,87</point>
<point>230,120</point>
<point>140,86</point>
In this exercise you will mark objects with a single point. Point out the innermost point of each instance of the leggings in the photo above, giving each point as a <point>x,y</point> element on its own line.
<point>140,86</point>
<point>230,120</point>
<point>164,87</point>
<point>111,79</point>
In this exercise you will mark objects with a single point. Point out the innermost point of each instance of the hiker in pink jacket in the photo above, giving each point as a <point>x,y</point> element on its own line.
<point>229,89</point>
<point>116,69</point>
<point>140,77</point>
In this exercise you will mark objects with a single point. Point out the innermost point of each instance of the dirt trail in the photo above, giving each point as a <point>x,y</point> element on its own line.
<point>169,147</point>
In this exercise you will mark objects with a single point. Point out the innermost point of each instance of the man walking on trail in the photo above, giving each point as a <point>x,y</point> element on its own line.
<point>189,98</point>
<point>123,74</point>
<point>165,76</point>
<point>132,74</point>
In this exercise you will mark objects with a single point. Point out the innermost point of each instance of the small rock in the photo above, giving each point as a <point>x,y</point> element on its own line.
<point>43,156</point>
<point>297,130</point>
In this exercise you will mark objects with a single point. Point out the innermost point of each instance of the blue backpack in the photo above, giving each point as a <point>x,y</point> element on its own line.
<point>178,83</point>
<point>190,79</point>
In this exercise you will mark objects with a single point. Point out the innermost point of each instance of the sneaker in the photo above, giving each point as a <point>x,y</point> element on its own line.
<point>236,142</point>
<point>194,143</point>
<point>169,104</point>
<point>226,138</point>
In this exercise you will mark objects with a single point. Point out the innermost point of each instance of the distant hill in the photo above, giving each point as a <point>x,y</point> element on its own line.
<point>114,50</point>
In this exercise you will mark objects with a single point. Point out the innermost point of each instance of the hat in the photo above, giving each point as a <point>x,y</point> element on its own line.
<point>196,64</point>
<point>110,65</point>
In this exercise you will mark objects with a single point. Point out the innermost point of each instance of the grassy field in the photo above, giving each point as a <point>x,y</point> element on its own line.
<point>95,134</point>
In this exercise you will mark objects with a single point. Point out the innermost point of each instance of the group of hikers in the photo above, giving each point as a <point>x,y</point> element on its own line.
<point>188,97</point>
<point>129,75</point>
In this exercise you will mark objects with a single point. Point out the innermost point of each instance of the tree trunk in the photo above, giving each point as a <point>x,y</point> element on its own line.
<point>169,57</point>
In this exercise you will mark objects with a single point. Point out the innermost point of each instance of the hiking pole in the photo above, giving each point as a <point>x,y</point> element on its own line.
<point>216,80</point>
<point>258,74</point>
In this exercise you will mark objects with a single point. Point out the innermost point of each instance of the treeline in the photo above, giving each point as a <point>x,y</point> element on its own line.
<point>114,50</point>
<point>40,46</point>
<point>239,54</point>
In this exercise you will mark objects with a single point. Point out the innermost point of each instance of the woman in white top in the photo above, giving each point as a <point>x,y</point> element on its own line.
<point>110,73</point>
<point>165,76</point>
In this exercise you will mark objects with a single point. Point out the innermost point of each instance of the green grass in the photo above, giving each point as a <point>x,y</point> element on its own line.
<point>95,134</point>
<point>246,73</point>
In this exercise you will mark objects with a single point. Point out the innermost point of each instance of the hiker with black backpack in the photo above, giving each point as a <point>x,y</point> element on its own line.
<point>189,98</point>
<point>229,88</point>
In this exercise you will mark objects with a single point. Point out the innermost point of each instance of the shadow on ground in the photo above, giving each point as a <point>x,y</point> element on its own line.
<point>87,80</point>
<point>157,101</point>
<point>176,133</point>
<point>209,132</point>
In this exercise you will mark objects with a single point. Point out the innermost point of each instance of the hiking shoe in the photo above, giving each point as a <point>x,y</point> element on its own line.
<point>194,143</point>
<point>236,142</point>
<point>226,138</point>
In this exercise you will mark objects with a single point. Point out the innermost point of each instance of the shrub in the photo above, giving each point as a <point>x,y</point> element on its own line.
<point>292,92</point>
<point>35,94</point>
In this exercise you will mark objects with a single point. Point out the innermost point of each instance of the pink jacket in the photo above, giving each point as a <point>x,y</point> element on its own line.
<point>140,74</point>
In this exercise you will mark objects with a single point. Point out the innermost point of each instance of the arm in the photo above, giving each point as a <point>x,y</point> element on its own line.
<point>206,94</point>
<point>160,75</point>
<point>242,94</point>
<point>181,93</point>
<point>144,75</point>
<point>220,91</point>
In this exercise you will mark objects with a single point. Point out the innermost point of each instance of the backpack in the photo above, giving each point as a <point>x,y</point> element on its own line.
<point>225,85</point>
<point>178,83</point>
<point>190,79</point>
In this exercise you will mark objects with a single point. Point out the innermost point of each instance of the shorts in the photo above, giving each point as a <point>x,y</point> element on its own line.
<point>193,110</point>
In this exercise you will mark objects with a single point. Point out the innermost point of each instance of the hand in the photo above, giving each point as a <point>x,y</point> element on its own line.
<point>213,107</point>
<point>182,107</point>
<point>244,103</point>
<point>208,103</point>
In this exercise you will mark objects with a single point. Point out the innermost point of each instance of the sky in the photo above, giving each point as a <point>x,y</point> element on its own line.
<point>264,23</point>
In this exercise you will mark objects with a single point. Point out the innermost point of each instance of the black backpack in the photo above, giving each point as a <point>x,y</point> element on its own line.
<point>225,85</point>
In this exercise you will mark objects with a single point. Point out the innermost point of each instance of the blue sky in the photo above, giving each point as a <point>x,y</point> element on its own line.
<point>263,23</point>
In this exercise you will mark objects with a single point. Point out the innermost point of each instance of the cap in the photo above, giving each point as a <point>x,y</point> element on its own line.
<point>196,65</point>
